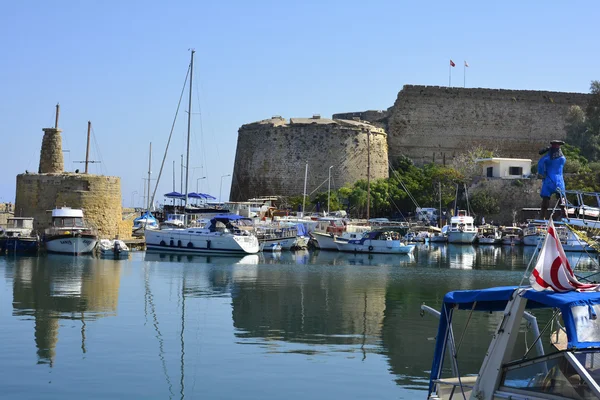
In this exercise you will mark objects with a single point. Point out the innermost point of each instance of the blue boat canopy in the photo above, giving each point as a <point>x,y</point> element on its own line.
<point>174,195</point>
<point>301,230</point>
<point>579,312</point>
<point>232,217</point>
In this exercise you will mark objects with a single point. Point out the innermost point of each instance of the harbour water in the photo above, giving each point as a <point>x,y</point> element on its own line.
<point>299,325</point>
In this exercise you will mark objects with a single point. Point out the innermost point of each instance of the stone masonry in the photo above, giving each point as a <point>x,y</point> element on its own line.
<point>51,156</point>
<point>98,196</point>
<point>431,123</point>
<point>271,155</point>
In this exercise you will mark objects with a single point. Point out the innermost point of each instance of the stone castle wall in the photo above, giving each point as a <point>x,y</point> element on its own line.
<point>429,123</point>
<point>271,156</point>
<point>98,196</point>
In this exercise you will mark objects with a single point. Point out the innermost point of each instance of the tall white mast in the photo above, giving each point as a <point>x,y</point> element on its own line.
<point>187,160</point>
<point>149,175</point>
<point>304,195</point>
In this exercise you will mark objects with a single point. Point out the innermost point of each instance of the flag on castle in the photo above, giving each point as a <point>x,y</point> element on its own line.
<point>466,64</point>
<point>552,270</point>
<point>452,63</point>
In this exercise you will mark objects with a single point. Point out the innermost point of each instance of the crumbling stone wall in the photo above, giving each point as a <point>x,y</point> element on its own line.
<point>271,156</point>
<point>98,196</point>
<point>432,123</point>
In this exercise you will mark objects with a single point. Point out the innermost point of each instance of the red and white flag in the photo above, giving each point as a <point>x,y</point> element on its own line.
<point>452,63</point>
<point>552,270</point>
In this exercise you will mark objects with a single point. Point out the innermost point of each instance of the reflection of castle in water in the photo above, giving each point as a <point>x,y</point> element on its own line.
<point>314,305</point>
<point>62,287</point>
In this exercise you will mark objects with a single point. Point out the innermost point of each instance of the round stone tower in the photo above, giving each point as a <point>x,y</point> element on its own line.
<point>272,154</point>
<point>51,156</point>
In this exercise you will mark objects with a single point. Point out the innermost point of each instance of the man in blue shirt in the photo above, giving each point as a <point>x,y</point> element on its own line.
<point>551,167</point>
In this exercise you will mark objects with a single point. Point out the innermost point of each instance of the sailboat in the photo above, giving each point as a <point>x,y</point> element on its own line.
<point>223,234</point>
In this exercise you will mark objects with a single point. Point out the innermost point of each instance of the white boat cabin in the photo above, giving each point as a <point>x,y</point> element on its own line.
<point>66,217</point>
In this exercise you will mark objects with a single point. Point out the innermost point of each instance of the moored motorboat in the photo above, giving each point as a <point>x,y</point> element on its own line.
<point>534,233</point>
<point>489,234</point>
<point>147,221</point>
<point>69,234</point>
<point>512,235</point>
<point>223,234</point>
<point>113,248</point>
<point>377,242</point>
<point>510,371</point>
<point>19,237</point>
<point>462,228</point>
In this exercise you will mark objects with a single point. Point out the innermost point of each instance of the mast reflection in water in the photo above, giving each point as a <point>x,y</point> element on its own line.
<point>305,324</point>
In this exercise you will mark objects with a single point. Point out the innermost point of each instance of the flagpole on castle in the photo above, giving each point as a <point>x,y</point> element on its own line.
<point>450,74</point>
<point>465,74</point>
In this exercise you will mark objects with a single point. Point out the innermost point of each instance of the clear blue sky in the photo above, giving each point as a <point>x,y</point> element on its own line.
<point>121,64</point>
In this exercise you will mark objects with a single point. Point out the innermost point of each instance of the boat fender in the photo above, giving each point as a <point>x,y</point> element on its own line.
<point>208,244</point>
<point>172,243</point>
<point>190,245</point>
<point>163,243</point>
<point>179,244</point>
<point>370,248</point>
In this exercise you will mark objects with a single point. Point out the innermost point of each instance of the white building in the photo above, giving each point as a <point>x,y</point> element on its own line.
<point>505,168</point>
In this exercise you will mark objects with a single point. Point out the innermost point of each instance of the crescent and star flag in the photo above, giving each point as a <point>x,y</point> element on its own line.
<point>466,64</point>
<point>552,270</point>
<point>452,63</point>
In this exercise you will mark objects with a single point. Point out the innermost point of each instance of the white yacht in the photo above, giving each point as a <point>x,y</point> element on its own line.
<point>462,228</point>
<point>377,242</point>
<point>69,234</point>
<point>223,234</point>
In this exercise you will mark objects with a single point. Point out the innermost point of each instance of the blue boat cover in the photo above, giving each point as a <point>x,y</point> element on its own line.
<point>233,217</point>
<point>496,299</point>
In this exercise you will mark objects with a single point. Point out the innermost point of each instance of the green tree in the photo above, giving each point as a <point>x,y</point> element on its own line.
<point>483,202</point>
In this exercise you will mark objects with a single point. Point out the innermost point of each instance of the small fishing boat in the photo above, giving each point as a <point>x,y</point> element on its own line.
<point>385,242</point>
<point>534,233</point>
<point>113,248</point>
<point>147,221</point>
<point>18,237</point>
<point>512,235</point>
<point>462,228</point>
<point>69,233</point>
<point>489,234</point>
<point>331,231</point>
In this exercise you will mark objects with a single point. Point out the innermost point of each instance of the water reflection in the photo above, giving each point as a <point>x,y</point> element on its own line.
<point>63,288</point>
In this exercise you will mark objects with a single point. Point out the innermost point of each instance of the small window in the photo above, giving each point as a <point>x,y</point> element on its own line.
<point>515,171</point>
<point>490,172</point>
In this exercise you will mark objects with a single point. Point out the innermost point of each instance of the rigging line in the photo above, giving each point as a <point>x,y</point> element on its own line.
<point>98,153</point>
<point>170,135</point>
<point>308,195</point>
<point>404,186</point>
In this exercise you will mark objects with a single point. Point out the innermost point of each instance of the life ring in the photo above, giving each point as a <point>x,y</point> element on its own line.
<point>190,245</point>
<point>370,248</point>
<point>163,243</point>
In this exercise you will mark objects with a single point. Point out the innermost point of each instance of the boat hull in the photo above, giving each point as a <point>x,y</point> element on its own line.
<point>21,245</point>
<point>462,237</point>
<point>512,241</point>
<point>182,241</point>
<point>74,245</point>
<point>283,243</point>
<point>327,241</point>
<point>532,240</point>
<point>371,246</point>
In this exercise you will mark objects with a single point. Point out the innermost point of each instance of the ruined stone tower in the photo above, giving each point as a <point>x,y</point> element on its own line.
<point>51,156</point>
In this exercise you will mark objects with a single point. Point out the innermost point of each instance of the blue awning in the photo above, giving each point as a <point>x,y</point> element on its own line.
<point>174,195</point>
<point>233,217</point>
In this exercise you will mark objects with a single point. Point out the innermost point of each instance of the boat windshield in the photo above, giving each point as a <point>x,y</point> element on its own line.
<point>70,222</point>
<point>571,375</point>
